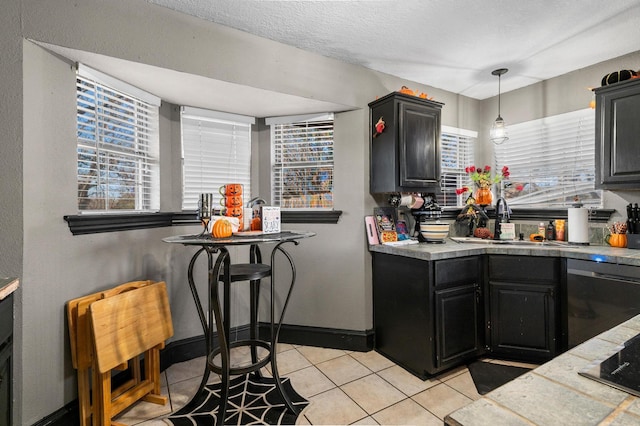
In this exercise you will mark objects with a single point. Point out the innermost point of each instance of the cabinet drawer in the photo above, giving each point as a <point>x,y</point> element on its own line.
<point>524,268</point>
<point>457,271</point>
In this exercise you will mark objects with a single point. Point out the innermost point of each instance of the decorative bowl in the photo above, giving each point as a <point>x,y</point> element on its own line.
<point>434,232</point>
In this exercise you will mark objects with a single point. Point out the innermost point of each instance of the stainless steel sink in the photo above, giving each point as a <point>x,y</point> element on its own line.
<point>488,241</point>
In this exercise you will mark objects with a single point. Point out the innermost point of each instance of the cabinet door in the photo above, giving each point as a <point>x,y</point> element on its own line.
<point>458,324</point>
<point>618,136</point>
<point>523,320</point>
<point>419,143</point>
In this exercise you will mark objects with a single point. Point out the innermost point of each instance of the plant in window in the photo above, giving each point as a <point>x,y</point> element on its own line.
<point>483,180</point>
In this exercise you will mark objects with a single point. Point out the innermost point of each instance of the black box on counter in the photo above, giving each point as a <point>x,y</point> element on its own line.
<point>633,241</point>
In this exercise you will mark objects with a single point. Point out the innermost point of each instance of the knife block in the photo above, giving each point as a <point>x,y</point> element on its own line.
<point>633,241</point>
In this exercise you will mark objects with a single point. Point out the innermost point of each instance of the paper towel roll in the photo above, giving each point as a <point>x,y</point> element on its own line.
<point>578,225</point>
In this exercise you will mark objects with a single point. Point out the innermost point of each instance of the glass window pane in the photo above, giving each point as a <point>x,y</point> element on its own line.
<point>117,149</point>
<point>302,164</point>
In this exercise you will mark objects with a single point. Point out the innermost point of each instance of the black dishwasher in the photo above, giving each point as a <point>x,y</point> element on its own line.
<point>599,297</point>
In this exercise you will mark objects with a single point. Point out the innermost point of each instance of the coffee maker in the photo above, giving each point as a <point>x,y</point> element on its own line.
<point>427,212</point>
<point>423,207</point>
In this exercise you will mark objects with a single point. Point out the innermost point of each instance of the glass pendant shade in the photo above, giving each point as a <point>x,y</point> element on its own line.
<point>498,132</point>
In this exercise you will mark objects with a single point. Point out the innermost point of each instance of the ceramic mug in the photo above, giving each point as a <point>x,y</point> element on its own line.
<point>231,189</point>
<point>616,240</point>
<point>232,211</point>
<point>231,201</point>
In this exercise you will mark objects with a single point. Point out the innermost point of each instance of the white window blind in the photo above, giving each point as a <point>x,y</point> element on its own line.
<point>551,160</point>
<point>117,145</point>
<point>457,154</point>
<point>216,150</point>
<point>302,162</point>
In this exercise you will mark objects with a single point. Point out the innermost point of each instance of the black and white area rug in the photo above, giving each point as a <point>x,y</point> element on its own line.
<point>252,400</point>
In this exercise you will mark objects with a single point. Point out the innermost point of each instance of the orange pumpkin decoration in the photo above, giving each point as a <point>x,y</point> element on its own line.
<point>221,229</point>
<point>407,91</point>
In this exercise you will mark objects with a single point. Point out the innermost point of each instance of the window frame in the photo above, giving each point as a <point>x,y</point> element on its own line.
<point>141,149</point>
<point>464,158</point>
<point>300,120</point>
<point>220,123</point>
<point>572,136</point>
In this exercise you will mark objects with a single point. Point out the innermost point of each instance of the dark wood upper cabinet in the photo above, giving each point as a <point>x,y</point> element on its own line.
<point>405,157</point>
<point>618,136</point>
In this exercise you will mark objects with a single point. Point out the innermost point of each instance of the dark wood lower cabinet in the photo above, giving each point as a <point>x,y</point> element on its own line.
<point>523,320</point>
<point>6,350</point>
<point>524,302</point>
<point>401,306</point>
<point>427,315</point>
<point>458,324</point>
<point>430,316</point>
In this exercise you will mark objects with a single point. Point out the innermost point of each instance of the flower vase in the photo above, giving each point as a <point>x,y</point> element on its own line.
<point>483,196</point>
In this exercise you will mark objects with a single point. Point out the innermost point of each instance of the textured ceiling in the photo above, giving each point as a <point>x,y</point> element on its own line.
<point>449,44</point>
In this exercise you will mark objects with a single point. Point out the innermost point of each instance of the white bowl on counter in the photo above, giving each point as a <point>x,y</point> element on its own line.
<point>434,232</point>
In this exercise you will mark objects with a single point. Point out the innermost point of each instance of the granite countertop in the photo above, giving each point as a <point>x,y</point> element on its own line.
<point>451,249</point>
<point>554,393</point>
<point>8,286</point>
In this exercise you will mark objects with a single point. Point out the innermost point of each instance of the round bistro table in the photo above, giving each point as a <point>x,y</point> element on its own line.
<point>221,270</point>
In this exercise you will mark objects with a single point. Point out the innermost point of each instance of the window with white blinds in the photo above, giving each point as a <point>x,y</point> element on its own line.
<point>457,153</point>
<point>216,150</point>
<point>551,161</point>
<point>117,145</point>
<point>302,161</point>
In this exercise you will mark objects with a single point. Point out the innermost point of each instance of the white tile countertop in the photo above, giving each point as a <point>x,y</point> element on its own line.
<point>451,249</point>
<point>554,393</point>
<point>8,286</point>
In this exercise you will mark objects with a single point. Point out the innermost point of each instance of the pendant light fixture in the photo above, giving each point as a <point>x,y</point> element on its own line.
<point>498,133</point>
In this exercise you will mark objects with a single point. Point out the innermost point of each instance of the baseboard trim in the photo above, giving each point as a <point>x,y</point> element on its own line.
<point>352,340</point>
<point>194,347</point>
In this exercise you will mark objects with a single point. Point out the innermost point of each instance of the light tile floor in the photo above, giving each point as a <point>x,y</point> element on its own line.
<point>343,388</point>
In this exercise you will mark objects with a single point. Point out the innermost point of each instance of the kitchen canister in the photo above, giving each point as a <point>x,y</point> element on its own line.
<point>578,225</point>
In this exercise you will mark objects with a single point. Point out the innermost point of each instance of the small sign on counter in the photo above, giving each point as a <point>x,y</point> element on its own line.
<point>270,219</point>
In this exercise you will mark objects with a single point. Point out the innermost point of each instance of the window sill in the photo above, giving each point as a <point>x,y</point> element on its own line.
<point>95,224</point>
<point>595,215</point>
<point>307,216</point>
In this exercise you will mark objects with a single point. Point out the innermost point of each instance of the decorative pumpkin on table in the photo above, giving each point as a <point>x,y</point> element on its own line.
<point>221,229</point>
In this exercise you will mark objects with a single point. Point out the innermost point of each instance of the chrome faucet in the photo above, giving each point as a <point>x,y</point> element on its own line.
<point>255,200</point>
<point>505,217</point>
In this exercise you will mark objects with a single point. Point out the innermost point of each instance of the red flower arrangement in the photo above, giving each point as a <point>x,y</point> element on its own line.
<point>482,177</point>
